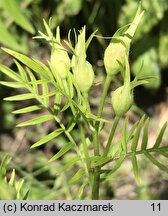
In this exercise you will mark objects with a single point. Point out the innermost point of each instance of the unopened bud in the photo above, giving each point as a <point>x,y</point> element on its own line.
<point>118,49</point>
<point>84,76</point>
<point>122,99</point>
<point>60,62</point>
<point>115,55</point>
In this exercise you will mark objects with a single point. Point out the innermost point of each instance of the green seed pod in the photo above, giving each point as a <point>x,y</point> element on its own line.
<point>122,99</point>
<point>84,76</point>
<point>60,62</point>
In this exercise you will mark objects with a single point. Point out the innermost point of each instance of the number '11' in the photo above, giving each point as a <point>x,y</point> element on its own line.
<point>156,206</point>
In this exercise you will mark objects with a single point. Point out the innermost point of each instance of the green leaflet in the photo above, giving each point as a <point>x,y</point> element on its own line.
<point>69,164</point>
<point>21,71</point>
<point>71,125</point>
<point>165,154</point>
<point>137,134</point>
<point>46,92</point>
<point>146,67</point>
<point>62,151</point>
<point>124,135</point>
<point>100,161</point>
<point>139,82</point>
<point>48,30</point>
<point>27,109</point>
<point>90,39</point>
<point>7,39</point>
<point>36,120</point>
<point>47,138</point>
<point>81,189</point>
<point>121,31</point>
<point>155,162</point>
<point>3,166</point>
<point>14,9</point>
<point>117,148</point>
<point>145,135</point>
<point>18,187</point>
<point>135,168</point>
<point>20,97</point>
<point>57,103</point>
<point>10,73</point>
<point>12,178</point>
<point>44,67</point>
<point>49,94</point>
<point>66,106</point>
<point>33,81</point>
<point>77,176</point>
<point>12,84</point>
<point>91,116</point>
<point>117,165</point>
<point>160,136</point>
<point>30,63</point>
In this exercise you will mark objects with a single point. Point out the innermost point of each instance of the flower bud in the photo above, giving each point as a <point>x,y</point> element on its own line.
<point>84,76</point>
<point>118,49</point>
<point>122,99</point>
<point>60,62</point>
<point>115,55</point>
<point>82,69</point>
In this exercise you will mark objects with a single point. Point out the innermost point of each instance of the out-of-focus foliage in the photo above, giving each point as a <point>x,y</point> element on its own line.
<point>154,13</point>
<point>12,188</point>
<point>12,12</point>
<point>64,9</point>
<point>154,49</point>
<point>150,66</point>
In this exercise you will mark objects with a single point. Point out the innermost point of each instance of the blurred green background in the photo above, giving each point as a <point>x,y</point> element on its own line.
<point>20,20</point>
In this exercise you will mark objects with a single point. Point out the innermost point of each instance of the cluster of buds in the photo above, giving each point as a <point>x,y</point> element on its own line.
<point>116,60</point>
<point>60,62</point>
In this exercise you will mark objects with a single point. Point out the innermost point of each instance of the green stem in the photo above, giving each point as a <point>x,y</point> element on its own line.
<point>104,94</point>
<point>99,114</point>
<point>86,152</point>
<point>96,183</point>
<point>96,174</point>
<point>97,170</point>
<point>113,128</point>
<point>86,101</point>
